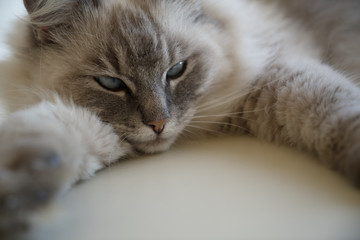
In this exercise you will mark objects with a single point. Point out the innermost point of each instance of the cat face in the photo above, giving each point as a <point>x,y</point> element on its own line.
<point>140,65</point>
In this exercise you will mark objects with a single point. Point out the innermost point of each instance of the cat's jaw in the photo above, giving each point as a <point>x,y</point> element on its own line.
<point>145,141</point>
<point>160,144</point>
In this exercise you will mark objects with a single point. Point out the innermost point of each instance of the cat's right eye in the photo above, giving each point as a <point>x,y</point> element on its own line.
<point>176,71</point>
<point>112,84</point>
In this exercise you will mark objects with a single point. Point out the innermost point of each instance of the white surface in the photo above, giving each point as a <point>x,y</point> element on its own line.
<point>236,188</point>
<point>221,189</point>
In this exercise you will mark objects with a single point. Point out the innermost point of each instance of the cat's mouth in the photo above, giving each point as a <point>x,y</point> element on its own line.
<point>157,145</point>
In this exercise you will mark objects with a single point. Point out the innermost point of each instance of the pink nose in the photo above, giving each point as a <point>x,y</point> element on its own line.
<point>158,125</point>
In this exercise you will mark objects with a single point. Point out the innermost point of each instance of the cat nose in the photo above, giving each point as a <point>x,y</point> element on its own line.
<point>158,125</point>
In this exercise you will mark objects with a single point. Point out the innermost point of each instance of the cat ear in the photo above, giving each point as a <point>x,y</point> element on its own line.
<point>34,5</point>
<point>31,5</point>
<point>48,16</point>
<point>45,15</point>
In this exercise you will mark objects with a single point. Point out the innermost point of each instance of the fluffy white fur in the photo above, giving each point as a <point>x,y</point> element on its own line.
<point>270,73</point>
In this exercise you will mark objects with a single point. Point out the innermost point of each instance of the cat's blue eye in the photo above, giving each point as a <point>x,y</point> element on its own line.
<point>176,71</point>
<point>111,84</point>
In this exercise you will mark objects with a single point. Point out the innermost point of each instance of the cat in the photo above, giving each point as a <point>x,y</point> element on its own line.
<point>94,81</point>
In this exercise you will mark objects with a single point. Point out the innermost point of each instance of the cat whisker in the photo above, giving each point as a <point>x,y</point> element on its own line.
<point>208,130</point>
<point>218,102</point>
<point>221,123</point>
<point>188,134</point>
<point>233,96</point>
<point>230,115</point>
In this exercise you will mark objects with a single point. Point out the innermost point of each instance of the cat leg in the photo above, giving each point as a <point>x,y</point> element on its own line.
<point>45,149</point>
<point>311,106</point>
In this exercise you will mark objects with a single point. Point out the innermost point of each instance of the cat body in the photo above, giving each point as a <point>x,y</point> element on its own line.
<point>94,81</point>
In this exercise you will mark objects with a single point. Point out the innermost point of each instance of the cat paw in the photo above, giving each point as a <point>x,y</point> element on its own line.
<point>32,172</point>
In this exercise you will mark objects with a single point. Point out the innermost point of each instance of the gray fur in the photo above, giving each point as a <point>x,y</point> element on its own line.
<point>284,71</point>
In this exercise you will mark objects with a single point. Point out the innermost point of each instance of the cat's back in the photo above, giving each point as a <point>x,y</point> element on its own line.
<point>324,29</point>
<point>334,27</point>
<point>323,16</point>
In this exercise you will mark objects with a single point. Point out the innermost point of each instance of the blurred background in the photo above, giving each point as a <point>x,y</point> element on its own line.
<point>10,10</point>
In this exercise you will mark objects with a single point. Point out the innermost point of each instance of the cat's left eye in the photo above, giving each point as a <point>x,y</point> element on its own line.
<point>111,84</point>
<point>176,71</point>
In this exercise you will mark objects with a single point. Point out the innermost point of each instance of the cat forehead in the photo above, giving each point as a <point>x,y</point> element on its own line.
<point>132,38</point>
<point>138,34</point>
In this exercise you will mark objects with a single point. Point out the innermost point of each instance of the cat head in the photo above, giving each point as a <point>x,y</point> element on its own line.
<point>141,65</point>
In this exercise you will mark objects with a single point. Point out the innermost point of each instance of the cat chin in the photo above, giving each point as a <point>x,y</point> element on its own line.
<point>155,146</point>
